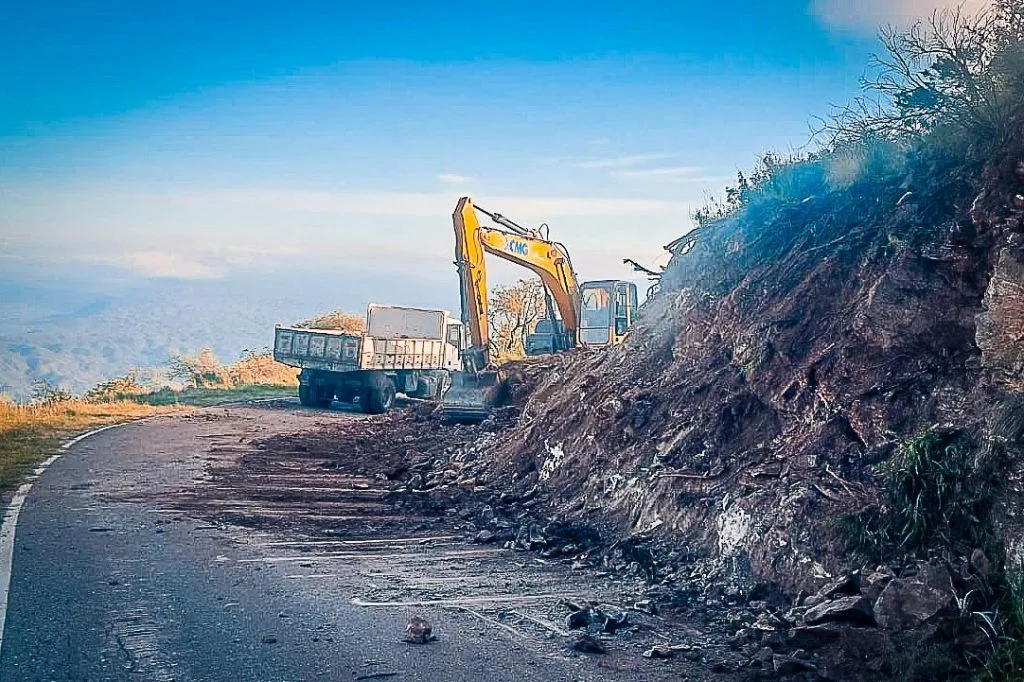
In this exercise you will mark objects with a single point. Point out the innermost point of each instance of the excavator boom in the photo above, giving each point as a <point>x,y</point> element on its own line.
<point>476,388</point>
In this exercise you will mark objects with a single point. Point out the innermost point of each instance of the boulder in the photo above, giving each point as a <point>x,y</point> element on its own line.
<point>907,603</point>
<point>856,610</point>
<point>845,586</point>
<point>869,647</point>
<point>814,636</point>
<point>1001,326</point>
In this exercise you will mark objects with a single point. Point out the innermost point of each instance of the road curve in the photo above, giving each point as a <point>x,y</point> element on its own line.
<point>112,580</point>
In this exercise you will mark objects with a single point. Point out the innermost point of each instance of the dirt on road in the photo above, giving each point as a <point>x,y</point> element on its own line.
<point>306,484</point>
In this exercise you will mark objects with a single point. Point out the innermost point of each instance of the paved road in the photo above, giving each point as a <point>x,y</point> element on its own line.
<point>114,580</point>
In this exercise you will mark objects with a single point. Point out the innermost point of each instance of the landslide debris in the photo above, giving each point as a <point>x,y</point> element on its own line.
<point>829,385</point>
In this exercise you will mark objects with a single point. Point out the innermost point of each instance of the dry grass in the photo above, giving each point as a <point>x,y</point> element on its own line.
<point>30,433</point>
<point>260,369</point>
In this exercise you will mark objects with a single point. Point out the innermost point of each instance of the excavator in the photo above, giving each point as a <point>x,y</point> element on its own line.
<point>589,314</point>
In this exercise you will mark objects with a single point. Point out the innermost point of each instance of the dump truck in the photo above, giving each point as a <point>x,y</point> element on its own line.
<point>412,351</point>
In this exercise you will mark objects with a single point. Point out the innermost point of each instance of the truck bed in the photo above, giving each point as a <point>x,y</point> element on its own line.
<point>336,351</point>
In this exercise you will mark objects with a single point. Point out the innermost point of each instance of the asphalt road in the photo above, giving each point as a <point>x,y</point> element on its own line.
<point>112,580</point>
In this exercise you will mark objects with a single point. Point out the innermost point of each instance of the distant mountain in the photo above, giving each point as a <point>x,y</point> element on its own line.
<point>76,333</point>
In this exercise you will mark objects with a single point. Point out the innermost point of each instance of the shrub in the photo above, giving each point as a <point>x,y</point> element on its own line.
<point>202,370</point>
<point>933,491</point>
<point>258,368</point>
<point>118,388</point>
<point>46,393</point>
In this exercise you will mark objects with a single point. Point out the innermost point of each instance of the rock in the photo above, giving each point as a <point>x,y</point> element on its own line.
<point>659,651</point>
<point>1001,324</point>
<point>615,621</point>
<point>646,606</point>
<point>788,665</point>
<point>980,563</point>
<point>484,537</point>
<point>855,610</point>
<point>418,631</point>
<point>269,639</point>
<point>813,636</point>
<point>848,586</point>
<point>577,619</point>
<point>907,603</point>
<point>587,644</point>
<point>869,646</point>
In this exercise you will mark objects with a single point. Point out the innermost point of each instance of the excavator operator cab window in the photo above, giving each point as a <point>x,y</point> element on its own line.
<point>625,307</point>
<point>598,313</point>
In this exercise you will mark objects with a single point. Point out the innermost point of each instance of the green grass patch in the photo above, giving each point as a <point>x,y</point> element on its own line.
<point>934,492</point>
<point>206,397</point>
<point>20,451</point>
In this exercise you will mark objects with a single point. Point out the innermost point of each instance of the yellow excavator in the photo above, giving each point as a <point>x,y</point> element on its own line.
<point>592,314</point>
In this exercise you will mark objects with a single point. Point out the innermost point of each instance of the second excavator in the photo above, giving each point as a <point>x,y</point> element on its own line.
<point>593,314</point>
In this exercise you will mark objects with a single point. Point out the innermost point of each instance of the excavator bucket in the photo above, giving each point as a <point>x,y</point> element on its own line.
<point>471,396</point>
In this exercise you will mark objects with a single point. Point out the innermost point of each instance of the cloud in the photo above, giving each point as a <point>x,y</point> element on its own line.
<point>161,264</point>
<point>619,161</point>
<point>453,179</point>
<point>690,173</point>
<point>869,15</point>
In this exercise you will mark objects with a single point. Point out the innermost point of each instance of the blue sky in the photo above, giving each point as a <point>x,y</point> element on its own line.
<point>205,140</point>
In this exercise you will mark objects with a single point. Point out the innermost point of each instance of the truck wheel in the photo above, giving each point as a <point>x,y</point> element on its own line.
<point>381,393</point>
<point>306,395</point>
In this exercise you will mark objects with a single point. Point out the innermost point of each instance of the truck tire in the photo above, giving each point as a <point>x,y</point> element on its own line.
<point>306,395</point>
<point>380,393</point>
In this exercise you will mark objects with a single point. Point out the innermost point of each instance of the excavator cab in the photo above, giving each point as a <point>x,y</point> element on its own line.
<point>608,311</point>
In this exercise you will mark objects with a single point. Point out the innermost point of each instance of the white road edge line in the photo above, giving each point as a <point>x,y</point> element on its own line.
<point>10,522</point>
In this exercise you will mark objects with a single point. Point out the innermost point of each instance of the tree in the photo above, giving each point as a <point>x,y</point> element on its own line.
<point>953,71</point>
<point>513,312</point>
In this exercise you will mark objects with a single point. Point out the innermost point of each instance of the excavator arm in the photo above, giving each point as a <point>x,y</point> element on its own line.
<point>518,245</point>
